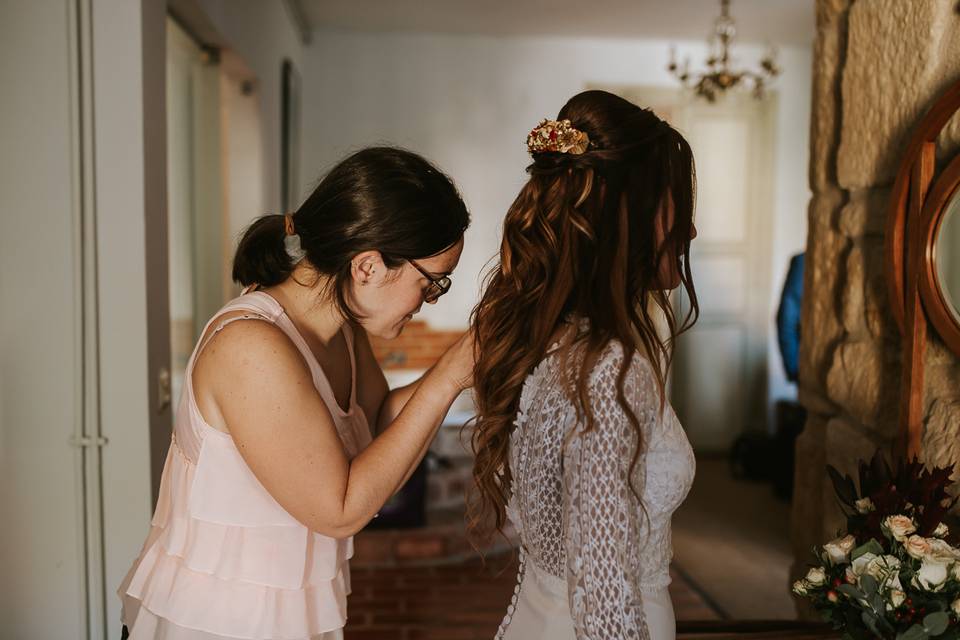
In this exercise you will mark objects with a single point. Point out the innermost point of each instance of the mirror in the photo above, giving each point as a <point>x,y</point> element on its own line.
<point>947,255</point>
<point>922,245</point>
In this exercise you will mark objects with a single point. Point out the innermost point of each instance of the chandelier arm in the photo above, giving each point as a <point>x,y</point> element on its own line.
<point>719,77</point>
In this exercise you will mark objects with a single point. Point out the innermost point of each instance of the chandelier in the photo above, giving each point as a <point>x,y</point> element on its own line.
<point>718,76</point>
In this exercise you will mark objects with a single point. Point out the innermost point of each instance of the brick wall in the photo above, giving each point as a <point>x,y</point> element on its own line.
<point>418,347</point>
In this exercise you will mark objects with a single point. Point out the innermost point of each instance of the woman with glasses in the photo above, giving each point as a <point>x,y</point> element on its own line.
<point>287,440</point>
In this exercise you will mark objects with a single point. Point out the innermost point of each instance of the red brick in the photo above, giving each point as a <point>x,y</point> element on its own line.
<point>420,548</point>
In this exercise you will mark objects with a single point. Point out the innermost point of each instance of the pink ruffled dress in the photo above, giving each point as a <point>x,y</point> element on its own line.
<point>223,559</point>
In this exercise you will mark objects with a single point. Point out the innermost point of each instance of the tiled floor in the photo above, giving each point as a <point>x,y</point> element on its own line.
<point>461,602</point>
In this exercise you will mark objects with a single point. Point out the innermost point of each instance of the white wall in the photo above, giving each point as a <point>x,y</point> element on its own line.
<point>791,192</point>
<point>41,540</point>
<point>467,103</point>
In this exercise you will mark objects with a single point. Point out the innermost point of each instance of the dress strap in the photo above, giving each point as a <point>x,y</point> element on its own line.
<point>350,339</point>
<point>223,322</point>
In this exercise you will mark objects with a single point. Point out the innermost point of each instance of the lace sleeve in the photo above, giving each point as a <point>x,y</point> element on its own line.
<point>601,516</point>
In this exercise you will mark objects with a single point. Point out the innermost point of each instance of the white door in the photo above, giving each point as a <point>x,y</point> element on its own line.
<point>719,376</point>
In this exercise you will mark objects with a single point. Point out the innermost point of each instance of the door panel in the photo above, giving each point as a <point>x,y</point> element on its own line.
<point>721,283</point>
<point>718,378</point>
<point>721,149</point>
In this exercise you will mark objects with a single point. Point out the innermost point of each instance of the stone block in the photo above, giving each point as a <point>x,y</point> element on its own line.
<point>820,323</point>
<point>942,380</point>
<point>863,379</point>
<point>828,55</point>
<point>806,515</point>
<point>948,144</point>
<point>847,443</point>
<point>814,401</point>
<point>865,214</point>
<point>899,57</point>
<point>864,303</point>
<point>941,433</point>
<point>806,512</point>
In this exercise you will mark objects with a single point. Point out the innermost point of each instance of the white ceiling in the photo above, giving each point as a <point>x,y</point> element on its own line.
<point>760,21</point>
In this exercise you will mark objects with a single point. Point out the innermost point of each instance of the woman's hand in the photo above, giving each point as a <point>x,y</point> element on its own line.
<point>458,361</point>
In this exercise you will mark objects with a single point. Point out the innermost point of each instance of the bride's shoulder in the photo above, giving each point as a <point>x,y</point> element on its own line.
<point>610,361</point>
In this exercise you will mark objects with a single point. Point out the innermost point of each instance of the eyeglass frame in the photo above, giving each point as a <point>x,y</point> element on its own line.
<point>440,285</point>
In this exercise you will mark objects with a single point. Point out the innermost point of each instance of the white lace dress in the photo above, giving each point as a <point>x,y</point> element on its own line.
<point>593,564</point>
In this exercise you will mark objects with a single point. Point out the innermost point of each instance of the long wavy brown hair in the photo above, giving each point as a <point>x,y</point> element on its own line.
<point>586,238</point>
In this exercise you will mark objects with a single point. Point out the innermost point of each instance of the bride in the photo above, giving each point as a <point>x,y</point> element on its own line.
<point>575,441</point>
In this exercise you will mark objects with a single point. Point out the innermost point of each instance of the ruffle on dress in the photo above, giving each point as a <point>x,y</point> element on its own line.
<point>224,558</point>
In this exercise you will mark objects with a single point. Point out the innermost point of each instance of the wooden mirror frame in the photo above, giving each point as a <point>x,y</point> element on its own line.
<point>913,223</point>
<point>937,305</point>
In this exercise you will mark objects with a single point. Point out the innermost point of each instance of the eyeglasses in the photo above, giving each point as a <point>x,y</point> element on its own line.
<point>437,286</point>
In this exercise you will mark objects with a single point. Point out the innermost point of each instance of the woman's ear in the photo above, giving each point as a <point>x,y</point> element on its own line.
<point>368,268</point>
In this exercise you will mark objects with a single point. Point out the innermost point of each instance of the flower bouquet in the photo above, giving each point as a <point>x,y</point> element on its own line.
<point>896,573</point>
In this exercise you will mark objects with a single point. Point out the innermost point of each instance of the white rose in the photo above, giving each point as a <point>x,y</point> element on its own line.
<point>941,551</point>
<point>865,505</point>
<point>884,569</point>
<point>860,564</point>
<point>897,597</point>
<point>800,588</point>
<point>838,551</point>
<point>816,577</point>
<point>955,606</point>
<point>941,531</point>
<point>900,526</point>
<point>916,547</point>
<point>955,571</point>
<point>932,575</point>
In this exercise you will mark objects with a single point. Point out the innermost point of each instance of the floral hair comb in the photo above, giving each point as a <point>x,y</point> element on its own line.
<point>558,136</point>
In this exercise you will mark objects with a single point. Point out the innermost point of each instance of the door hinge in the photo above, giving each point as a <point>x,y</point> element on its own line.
<point>164,390</point>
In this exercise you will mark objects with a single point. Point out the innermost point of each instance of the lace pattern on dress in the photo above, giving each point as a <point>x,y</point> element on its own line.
<point>573,507</point>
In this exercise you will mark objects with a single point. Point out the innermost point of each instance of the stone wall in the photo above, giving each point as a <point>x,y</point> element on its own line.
<point>878,65</point>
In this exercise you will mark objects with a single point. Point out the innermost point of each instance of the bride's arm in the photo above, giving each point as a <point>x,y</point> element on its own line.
<point>602,528</point>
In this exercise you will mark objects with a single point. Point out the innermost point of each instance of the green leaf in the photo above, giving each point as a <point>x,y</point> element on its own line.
<point>850,590</point>
<point>872,546</point>
<point>936,623</point>
<point>870,620</point>
<point>869,584</point>
<point>916,632</point>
